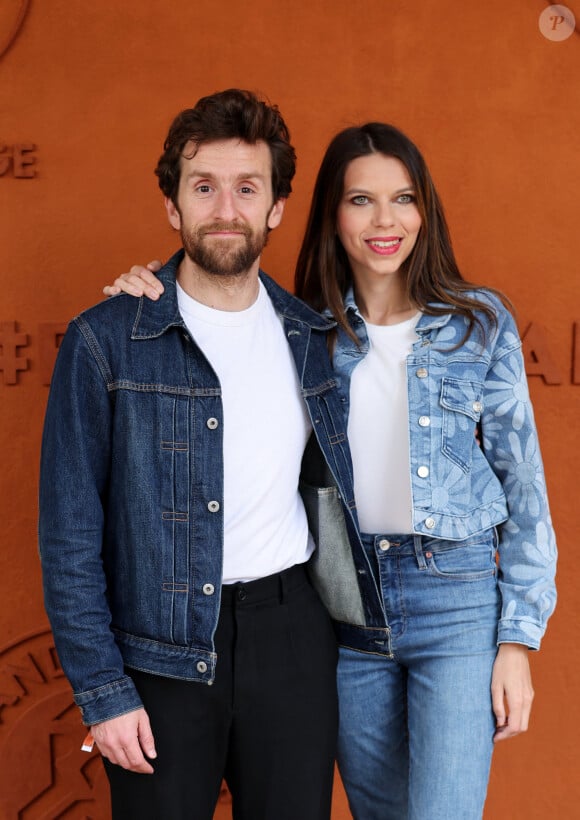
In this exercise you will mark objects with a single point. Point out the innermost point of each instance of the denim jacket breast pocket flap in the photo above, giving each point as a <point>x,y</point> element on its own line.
<point>462,403</point>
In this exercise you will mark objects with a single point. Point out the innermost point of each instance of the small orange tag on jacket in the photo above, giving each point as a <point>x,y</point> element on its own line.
<point>88,743</point>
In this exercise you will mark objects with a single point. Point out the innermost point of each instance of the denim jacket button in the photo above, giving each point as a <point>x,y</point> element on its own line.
<point>208,589</point>
<point>423,471</point>
<point>429,523</point>
<point>384,544</point>
<point>201,666</point>
<point>212,423</point>
<point>424,421</point>
<point>213,506</point>
<point>477,406</point>
<point>422,373</point>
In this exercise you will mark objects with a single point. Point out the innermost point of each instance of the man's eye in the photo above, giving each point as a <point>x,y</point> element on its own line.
<point>246,189</point>
<point>203,189</point>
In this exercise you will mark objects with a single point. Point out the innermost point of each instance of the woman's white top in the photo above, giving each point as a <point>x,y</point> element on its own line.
<point>378,430</point>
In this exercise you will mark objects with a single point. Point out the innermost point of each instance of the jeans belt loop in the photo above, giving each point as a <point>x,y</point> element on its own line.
<point>418,540</point>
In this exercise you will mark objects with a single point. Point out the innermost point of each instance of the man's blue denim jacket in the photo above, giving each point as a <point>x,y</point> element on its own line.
<point>454,386</point>
<point>131,535</point>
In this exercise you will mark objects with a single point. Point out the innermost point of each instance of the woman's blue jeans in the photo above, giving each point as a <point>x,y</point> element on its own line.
<point>416,730</point>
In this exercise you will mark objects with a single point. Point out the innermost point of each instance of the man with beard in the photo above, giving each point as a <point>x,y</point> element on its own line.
<point>173,538</point>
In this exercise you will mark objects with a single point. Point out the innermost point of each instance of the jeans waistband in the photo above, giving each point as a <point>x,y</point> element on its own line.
<point>408,544</point>
<point>275,588</point>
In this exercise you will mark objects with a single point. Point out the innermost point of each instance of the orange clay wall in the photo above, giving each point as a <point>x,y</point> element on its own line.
<point>87,91</point>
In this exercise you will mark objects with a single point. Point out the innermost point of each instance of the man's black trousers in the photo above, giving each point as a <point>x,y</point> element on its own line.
<point>267,725</point>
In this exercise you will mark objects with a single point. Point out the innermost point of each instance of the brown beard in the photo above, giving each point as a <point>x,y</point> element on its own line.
<point>219,258</point>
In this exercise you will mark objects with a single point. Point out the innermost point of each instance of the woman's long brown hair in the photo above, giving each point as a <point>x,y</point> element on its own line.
<point>433,280</point>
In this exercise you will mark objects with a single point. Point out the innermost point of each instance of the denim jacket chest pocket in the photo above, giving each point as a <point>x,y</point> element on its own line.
<point>462,405</point>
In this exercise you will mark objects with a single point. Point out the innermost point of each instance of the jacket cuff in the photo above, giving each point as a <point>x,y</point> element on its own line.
<point>108,701</point>
<point>527,633</point>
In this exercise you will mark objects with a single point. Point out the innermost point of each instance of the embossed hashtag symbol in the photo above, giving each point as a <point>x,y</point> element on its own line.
<point>10,362</point>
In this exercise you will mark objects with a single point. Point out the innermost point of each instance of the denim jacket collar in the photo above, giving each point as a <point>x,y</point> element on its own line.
<point>424,326</point>
<point>155,318</point>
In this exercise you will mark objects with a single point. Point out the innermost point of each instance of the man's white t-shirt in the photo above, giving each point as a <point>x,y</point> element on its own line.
<point>265,430</point>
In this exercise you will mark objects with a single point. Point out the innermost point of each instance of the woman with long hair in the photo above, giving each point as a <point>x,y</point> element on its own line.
<point>448,480</point>
<point>455,530</point>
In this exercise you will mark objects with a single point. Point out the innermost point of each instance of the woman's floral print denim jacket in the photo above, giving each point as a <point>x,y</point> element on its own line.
<point>454,386</point>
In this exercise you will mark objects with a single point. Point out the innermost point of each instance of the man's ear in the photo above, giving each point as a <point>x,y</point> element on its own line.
<point>276,212</point>
<point>173,214</point>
